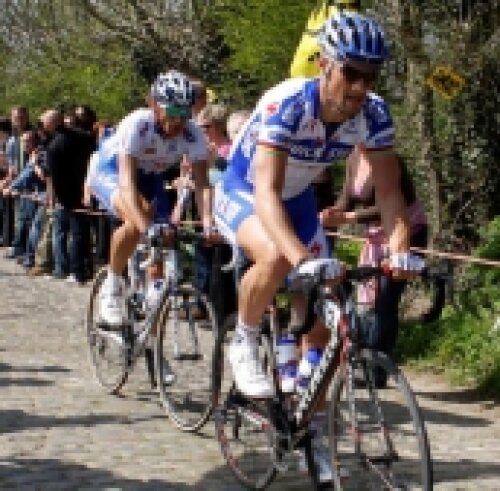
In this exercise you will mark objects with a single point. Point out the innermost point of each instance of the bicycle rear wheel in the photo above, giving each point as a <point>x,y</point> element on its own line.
<point>187,327</point>
<point>107,347</point>
<point>243,426</point>
<point>377,436</point>
<point>423,300</point>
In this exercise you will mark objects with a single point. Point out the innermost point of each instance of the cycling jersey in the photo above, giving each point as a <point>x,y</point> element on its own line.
<point>287,117</point>
<point>139,136</point>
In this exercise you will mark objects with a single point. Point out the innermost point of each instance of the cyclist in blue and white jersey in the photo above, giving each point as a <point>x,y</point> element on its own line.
<point>130,174</point>
<point>265,204</point>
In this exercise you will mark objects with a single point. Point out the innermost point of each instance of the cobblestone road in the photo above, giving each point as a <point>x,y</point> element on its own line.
<point>58,430</point>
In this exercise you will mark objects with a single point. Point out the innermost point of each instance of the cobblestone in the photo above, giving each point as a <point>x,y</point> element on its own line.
<point>59,430</point>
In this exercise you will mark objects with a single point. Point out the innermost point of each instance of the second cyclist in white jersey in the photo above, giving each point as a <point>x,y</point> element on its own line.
<point>129,178</point>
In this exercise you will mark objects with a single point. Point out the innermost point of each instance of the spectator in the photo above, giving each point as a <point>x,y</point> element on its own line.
<point>68,154</point>
<point>85,118</point>
<point>356,204</point>
<point>5,132</point>
<point>212,120</point>
<point>26,182</point>
<point>200,97</point>
<point>50,120</point>
<point>235,122</point>
<point>31,184</point>
<point>19,117</point>
<point>70,118</point>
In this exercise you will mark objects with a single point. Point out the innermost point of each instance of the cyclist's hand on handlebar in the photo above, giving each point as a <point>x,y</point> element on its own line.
<point>160,234</point>
<point>211,235</point>
<point>404,265</point>
<point>331,268</point>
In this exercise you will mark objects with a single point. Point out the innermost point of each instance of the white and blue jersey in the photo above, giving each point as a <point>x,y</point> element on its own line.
<point>139,136</point>
<point>288,117</point>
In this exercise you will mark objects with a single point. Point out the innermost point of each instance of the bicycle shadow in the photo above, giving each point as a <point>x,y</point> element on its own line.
<point>8,369</point>
<point>31,368</point>
<point>465,470</point>
<point>48,473</point>
<point>461,396</point>
<point>13,420</point>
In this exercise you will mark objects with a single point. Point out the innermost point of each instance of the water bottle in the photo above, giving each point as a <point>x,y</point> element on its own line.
<point>154,292</point>
<point>286,360</point>
<point>171,265</point>
<point>310,360</point>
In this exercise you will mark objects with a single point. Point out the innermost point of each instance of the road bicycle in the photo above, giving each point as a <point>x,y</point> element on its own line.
<point>180,364</point>
<point>376,437</point>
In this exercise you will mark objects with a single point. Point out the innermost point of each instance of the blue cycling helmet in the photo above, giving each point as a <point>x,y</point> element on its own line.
<point>348,35</point>
<point>173,89</point>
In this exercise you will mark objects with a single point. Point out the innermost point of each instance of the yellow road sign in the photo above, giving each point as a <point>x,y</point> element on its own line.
<point>446,81</point>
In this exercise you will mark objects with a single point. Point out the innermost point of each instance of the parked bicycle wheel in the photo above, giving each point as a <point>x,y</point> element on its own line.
<point>423,299</point>
<point>108,354</point>
<point>243,426</point>
<point>377,436</point>
<point>187,327</point>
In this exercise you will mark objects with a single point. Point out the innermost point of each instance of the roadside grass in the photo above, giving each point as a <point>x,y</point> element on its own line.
<point>462,346</point>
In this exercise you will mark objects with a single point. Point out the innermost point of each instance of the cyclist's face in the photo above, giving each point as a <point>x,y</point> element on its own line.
<point>172,119</point>
<point>172,125</point>
<point>346,86</point>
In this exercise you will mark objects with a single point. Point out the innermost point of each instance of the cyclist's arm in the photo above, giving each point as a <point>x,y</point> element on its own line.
<point>203,194</point>
<point>343,199</point>
<point>127,184</point>
<point>270,165</point>
<point>389,198</point>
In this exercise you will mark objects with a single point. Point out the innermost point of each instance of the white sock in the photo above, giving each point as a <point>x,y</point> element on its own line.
<point>114,280</point>
<point>245,333</point>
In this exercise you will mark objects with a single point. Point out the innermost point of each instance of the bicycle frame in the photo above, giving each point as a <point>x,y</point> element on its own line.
<point>343,342</point>
<point>135,339</point>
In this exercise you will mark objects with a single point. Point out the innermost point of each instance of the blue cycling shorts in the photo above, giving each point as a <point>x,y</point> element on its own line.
<point>233,204</point>
<point>104,185</point>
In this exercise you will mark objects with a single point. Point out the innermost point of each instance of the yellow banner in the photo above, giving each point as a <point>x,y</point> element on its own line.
<point>304,63</point>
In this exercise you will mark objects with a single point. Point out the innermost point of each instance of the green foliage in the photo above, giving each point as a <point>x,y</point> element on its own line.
<point>465,343</point>
<point>113,92</point>
<point>262,36</point>
<point>464,347</point>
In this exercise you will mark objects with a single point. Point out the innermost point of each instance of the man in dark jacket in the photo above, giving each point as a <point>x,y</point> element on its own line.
<point>68,155</point>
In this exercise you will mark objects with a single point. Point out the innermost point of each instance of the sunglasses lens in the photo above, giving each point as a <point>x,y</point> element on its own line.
<point>352,74</point>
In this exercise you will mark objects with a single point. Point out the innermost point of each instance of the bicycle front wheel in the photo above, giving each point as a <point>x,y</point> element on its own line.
<point>243,426</point>
<point>377,435</point>
<point>108,351</point>
<point>187,327</point>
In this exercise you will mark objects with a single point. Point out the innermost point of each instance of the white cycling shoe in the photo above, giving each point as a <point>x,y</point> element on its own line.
<point>112,304</point>
<point>249,376</point>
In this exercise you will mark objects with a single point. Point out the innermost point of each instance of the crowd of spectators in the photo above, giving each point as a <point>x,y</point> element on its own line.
<point>43,174</point>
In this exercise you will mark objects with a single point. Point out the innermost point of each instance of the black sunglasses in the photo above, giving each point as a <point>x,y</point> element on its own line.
<point>352,74</point>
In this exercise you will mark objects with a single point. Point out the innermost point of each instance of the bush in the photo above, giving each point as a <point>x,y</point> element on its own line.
<point>464,343</point>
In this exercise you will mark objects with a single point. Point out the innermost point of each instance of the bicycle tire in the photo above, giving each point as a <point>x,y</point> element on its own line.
<point>185,347</point>
<point>352,457</point>
<point>429,294</point>
<point>254,471</point>
<point>98,343</point>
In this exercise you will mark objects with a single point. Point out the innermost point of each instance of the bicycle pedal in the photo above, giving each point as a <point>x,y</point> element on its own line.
<point>188,357</point>
<point>150,366</point>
